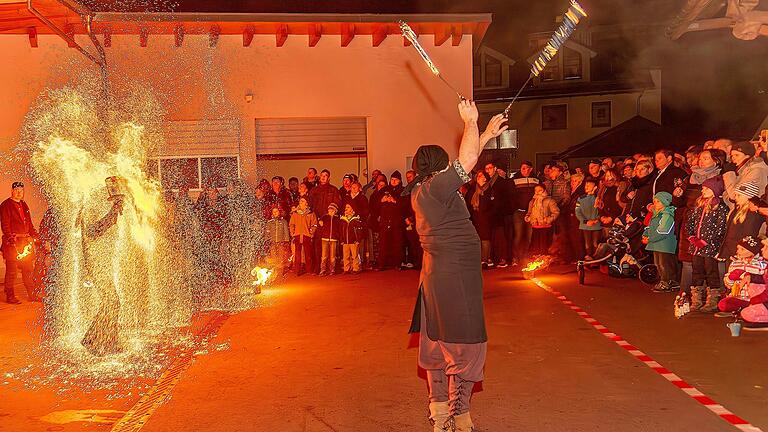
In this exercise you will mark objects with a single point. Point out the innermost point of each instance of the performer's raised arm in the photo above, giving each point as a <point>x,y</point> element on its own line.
<point>472,142</point>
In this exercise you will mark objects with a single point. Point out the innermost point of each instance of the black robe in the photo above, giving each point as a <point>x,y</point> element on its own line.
<point>451,282</point>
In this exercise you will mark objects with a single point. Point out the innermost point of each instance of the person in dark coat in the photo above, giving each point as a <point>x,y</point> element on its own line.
<point>640,192</point>
<point>499,194</point>
<point>482,209</point>
<point>668,176</point>
<point>449,309</point>
<point>607,201</point>
<point>19,235</point>
<point>391,233</point>
<point>374,209</point>
<point>321,196</point>
<point>575,237</point>
<point>278,196</point>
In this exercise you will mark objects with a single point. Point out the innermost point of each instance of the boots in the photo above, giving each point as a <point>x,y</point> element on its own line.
<point>438,415</point>
<point>459,423</point>
<point>713,297</point>
<point>697,297</point>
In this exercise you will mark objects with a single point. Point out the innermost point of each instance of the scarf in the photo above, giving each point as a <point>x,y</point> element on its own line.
<point>479,191</point>
<point>698,175</point>
<point>428,160</point>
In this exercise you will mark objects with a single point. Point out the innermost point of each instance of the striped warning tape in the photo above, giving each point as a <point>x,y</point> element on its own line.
<point>678,382</point>
<point>135,418</point>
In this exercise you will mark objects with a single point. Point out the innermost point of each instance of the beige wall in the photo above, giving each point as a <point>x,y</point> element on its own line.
<point>338,166</point>
<point>405,105</point>
<point>526,117</point>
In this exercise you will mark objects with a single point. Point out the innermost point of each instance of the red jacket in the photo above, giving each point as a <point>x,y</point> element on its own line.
<point>12,223</point>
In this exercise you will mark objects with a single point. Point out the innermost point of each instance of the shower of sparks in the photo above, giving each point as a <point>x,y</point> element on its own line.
<point>571,19</point>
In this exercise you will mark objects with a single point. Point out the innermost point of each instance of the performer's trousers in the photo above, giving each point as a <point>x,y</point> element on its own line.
<point>12,266</point>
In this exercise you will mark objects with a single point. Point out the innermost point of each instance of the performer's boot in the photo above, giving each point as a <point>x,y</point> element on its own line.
<point>438,415</point>
<point>460,392</point>
<point>463,423</point>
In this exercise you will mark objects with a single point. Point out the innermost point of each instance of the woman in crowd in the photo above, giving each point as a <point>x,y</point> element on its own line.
<point>480,201</point>
<point>542,213</point>
<point>640,192</point>
<point>741,221</point>
<point>607,200</point>
<point>705,229</point>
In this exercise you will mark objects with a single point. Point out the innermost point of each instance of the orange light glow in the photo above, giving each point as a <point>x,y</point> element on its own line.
<point>533,265</point>
<point>261,274</point>
<point>27,250</point>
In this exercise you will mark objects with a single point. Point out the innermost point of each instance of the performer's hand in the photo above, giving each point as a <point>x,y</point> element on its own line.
<point>495,127</point>
<point>468,111</point>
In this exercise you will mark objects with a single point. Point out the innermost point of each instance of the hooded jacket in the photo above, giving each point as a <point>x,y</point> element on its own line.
<point>661,229</point>
<point>352,229</point>
<point>542,213</point>
<point>303,223</point>
<point>754,171</point>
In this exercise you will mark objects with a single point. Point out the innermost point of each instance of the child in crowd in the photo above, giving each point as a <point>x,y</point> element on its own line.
<point>659,238</point>
<point>542,213</point>
<point>303,225</point>
<point>705,229</point>
<point>330,228</point>
<point>747,268</point>
<point>352,233</point>
<point>279,238</point>
<point>589,218</point>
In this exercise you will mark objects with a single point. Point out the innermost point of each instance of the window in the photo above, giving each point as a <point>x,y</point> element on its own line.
<point>492,72</point>
<point>554,117</point>
<point>601,114</point>
<point>196,172</point>
<point>571,64</point>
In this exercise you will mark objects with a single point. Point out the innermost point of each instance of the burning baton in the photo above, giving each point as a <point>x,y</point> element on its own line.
<point>571,19</point>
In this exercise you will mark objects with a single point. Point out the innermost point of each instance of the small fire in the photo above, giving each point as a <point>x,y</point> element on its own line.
<point>261,274</point>
<point>27,250</point>
<point>533,265</point>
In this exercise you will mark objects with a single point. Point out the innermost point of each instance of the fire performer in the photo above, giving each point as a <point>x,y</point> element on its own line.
<point>18,239</point>
<point>449,308</point>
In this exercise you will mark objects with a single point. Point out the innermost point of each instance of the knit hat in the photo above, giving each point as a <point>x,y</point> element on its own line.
<point>396,175</point>
<point>715,184</point>
<point>749,189</point>
<point>664,198</point>
<point>751,244</point>
<point>17,184</point>
<point>745,147</point>
<point>333,206</point>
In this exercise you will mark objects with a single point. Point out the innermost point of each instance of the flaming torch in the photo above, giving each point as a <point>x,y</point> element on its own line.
<point>25,253</point>
<point>571,19</point>
<point>412,38</point>
<point>538,262</point>
<point>262,275</point>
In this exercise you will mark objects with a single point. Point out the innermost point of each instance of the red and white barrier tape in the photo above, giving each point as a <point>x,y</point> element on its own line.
<point>678,382</point>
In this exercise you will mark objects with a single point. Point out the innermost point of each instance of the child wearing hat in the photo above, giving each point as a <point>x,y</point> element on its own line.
<point>659,238</point>
<point>330,229</point>
<point>746,283</point>
<point>741,221</point>
<point>303,225</point>
<point>705,228</point>
<point>353,231</point>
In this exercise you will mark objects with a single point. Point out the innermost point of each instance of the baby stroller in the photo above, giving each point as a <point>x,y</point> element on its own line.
<point>623,255</point>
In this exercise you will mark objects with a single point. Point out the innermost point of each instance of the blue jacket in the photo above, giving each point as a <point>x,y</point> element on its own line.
<point>661,231</point>
<point>586,211</point>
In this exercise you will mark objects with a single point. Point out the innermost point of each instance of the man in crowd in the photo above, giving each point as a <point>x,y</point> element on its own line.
<point>520,194</point>
<point>594,171</point>
<point>311,179</point>
<point>346,185</point>
<point>18,238</point>
<point>279,197</point>
<point>559,189</point>
<point>371,185</point>
<point>497,186</point>
<point>321,196</point>
<point>668,176</point>
<point>293,189</point>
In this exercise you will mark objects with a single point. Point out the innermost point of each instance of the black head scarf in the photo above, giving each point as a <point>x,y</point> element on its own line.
<point>428,160</point>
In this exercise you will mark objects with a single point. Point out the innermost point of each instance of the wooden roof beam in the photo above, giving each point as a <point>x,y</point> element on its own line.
<point>347,33</point>
<point>143,37</point>
<point>107,37</point>
<point>314,31</point>
<point>213,35</point>
<point>380,32</point>
<point>442,34</point>
<point>248,33</point>
<point>69,30</point>
<point>456,35</point>
<point>178,35</point>
<point>281,35</point>
<point>32,32</point>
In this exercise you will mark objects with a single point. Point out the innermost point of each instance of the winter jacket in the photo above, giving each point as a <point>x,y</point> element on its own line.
<point>281,199</point>
<point>330,227</point>
<point>586,211</point>
<point>661,231</point>
<point>558,189</point>
<point>520,192</point>
<point>609,201</point>
<point>734,231</point>
<point>390,216</point>
<point>352,229</point>
<point>358,203</point>
<point>754,170</point>
<point>667,181</point>
<point>499,191</point>
<point>709,227</point>
<point>542,213</point>
<point>642,186</point>
<point>484,217</point>
<point>303,223</point>
<point>322,195</point>
<point>12,222</point>
<point>374,208</point>
<point>277,230</point>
